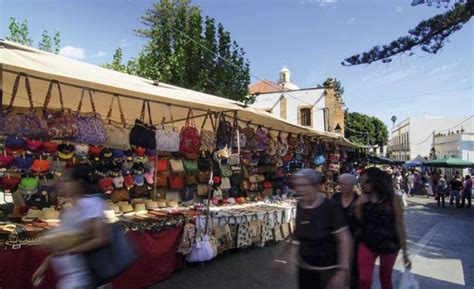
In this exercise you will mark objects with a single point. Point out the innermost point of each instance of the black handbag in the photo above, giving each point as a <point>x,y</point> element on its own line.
<point>107,262</point>
<point>142,133</point>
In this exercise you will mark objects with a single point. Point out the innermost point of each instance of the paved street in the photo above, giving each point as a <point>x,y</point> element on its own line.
<point>441,246</point>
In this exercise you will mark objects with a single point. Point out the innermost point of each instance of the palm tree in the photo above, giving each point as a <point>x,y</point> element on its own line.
<point>394,119</point>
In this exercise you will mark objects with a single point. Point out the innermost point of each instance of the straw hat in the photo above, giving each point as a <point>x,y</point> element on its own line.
<point>140,209</point>
<point>161,203</point>
<point>49,215</point>
<point>172,203</point>
<point>127,209</point>
<point>151,205</point>
<point>110,216</point>
<point>31,215</point>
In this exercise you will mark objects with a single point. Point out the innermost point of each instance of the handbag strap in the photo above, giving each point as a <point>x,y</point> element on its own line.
<point>190,119</point>
<point>109,113</point>
<point>79,107</point>
<point>15,91</point>
<point>208,115</point>
<point>48,95</point>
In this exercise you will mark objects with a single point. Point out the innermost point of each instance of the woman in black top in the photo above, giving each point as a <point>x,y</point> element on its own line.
<point>347,199</point>
<point>382,231</point>
<point>321,230</point>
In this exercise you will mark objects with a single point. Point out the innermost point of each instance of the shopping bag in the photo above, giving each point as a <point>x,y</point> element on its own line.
<point>408,281</point>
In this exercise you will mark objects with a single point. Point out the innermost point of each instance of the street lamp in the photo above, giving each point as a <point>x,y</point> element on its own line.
<point>338,129</point>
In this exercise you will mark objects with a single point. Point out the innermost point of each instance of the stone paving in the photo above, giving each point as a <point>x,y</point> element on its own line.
<point>441,243</point>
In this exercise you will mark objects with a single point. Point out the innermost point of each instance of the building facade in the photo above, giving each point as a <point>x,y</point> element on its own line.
<point>319,108</point>
<point>416,136</point>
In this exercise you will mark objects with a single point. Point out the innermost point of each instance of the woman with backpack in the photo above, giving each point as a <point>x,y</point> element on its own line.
<point>442,190</point>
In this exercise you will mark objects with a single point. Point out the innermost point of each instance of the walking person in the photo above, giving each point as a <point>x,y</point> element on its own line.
<point>410,183</point>
<point>425,184</point>
<point>467,192</point>
<point>456,188</point>
<point>380,214</point>
<point>347,198</point>
<point>324,238</point>
<point>442,190</point>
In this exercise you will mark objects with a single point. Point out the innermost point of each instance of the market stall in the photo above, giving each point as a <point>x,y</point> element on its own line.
<point>168,163</point>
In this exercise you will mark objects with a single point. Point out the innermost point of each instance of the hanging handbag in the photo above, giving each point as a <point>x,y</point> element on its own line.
<point>222,234</point>
<point>285,225</point>
<point>90,127</point>
<point>234,159</point>
<point>142,133</point>
<point>61,125</point>
<point>251,138</point>
<point>244,185</point>
<point>202,249</point>
<point>225,184</point>
<point>277,233</point>
<point>162,165</point>
<point>267,228</point>
<point>255,229</point>
<point>120,195</point>
<point>204,176</point>
<point>176,182</point>
<point>167,139</point>
<point>226,171</point>
<point>203,163</point>
<point>262,138</point>
<point>244,238</point>
<point>117,135</point>
<point>281,146</point>
<point>188,194</point>
<point>161,180</point>
<point>224,133</point>
<point>271,149</point>
<point>177,165</point>
<point>108,261</point>
<point>190,142</point>
<point>202,190</point>
<point>28,124</point>
<point>190,165</point>
<point>208,137</point>
<point>191,178</point>
<point>233,228</point>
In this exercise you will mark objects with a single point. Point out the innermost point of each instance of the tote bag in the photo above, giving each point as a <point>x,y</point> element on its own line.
<point>167,139</point>
<point>117,135</point>
<point>142,133</point>
<point>90,127</point>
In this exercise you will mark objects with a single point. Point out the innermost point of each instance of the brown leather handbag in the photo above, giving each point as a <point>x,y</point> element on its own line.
<point>191,178</point>
<point>203,177</point>
<point>119,195</point>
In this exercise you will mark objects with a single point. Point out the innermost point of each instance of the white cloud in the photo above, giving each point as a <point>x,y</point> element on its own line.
<point>351,20</point>
<point>73,52</point>
<point>399,9</point>
<point>99,54</point>
<point>322,3</point>
<point>124,43</point>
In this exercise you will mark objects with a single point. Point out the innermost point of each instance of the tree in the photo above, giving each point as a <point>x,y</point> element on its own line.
<point>430,35</point>
<point>338,88</point>
<point>117,62</point>
<point>186,51</point>
<point>364,129</point>
<point>19,33</point>
<point>394,119</point>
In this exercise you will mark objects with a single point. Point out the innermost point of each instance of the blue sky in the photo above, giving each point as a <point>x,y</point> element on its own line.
<point>310,37</point>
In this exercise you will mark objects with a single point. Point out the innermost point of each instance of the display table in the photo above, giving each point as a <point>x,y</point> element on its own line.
<point>158,260</point>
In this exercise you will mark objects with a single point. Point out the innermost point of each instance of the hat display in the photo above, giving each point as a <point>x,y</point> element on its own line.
<point>15,142</point>
<point>33,145</point>
<point>109,216</point>
<point>118,155</point>
<point>139,180</point>
<point>151,205</point>
<point>138,167</point>
<point>106,185</point>
<point>95,151</point>
<point>161,203</point>
<point>129,155</point>
<point>149,176</point>
<point>127,209</point>
<point>81,150</point>
<point>140,209</point>
<point>31,215</point>
<point>128,181</point>
<point>49,147</point>
<point>66,151</point>
<point>40,166</point>
<point>28,186</point>
<point>58,167</point>
<point>139,151</point>
<point>118,181</point>
<point>106,154</point>
<point>140,160</point>
<point>172,203</point>
<point>5,160</point>
<point>49,215</point>
<point>9,182</point>
<point>23,162</point>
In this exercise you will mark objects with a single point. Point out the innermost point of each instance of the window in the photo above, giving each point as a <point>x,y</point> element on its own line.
<point>305,115</point>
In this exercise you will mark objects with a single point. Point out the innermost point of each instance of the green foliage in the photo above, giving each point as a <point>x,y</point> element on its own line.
<point>19,32</point>
<point>394,119</point>
<point>188,51</point>
<point>430,35</point>
<point>338,88</point>
<point>360,127</point>
<point>117,62</point>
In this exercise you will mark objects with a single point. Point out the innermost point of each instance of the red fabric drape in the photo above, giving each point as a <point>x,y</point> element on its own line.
<point>158,259</point>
